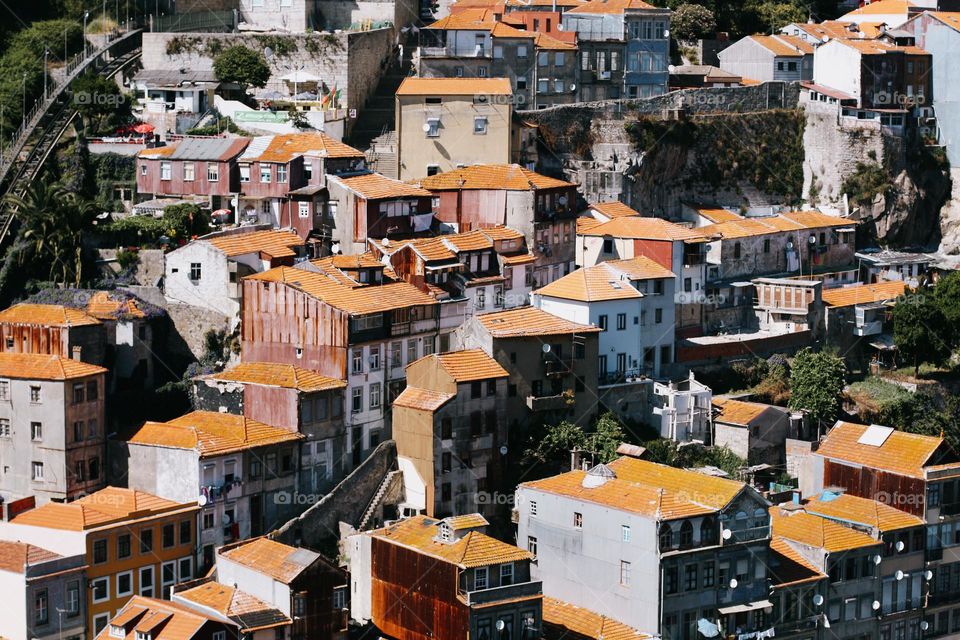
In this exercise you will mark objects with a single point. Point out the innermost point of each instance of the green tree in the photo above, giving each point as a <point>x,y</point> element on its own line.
<point>946,296</point>
<point>692,22</point>
<point>774,15</point>
<point>97,98</point>
<point>607,436</point>
<point>920,331</point>
<point>184,221</point>
<point>553,446</point>
<point>242,66</point>
<point>816,382</point>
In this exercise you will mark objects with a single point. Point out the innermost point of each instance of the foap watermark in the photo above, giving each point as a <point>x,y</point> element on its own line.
<point>900,500</point>
<point>94,98</point>
<point>515,100</point>
<point>496,497</point>
<point>286,498</point>
<point>899,99</point>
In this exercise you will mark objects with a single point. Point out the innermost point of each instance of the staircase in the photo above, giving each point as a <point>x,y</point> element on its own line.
<point>375,503</point>
<point>382,155</point>
<point>377,115</point>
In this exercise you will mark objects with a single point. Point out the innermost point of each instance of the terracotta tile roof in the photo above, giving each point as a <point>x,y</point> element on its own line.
<point>51,315</point>
<point>789,567</point>
<point>510,177</point>
<point>475,549</point>
<point>613,7</point>
<point>817,532</point>
<point>422,399</point>
<point>863,294</point>
<point>275,374</point>
<point>357,261</point>
<point>784,46</point>
<point>444,248</point>
<point>879,47</point>
<point>795,221</point>
<point>949,18</point>
<point>500,232</point>
<point>614,209</point>
<point>249,612</point>
<point>882,7</point>
<point>900,453</point>
<point>714,214</point>
<point>643,229</point>
<point>647,488</point>
<point>36,366</point>
<point>639,268</point>
<point>469,365</point>
<point>210,433</point>
<point>17,556</point>
<point>157,152</point>
<point>269,557</point>
<point>528,321</point>
<point>838,29</point>
<point>454,87</point>
<point>872,513</point>
<point>353,300</point>
<point>373,186</point>
<point>283,148</point>
<point>549,43</point>
<point>519,258</point>
<point>738,412</point>
<point>164,619</point>
<point>467,521</point>
<point>565,621</point>
<point>591,284</point>
<point>586,223</point>
<point>107,506</point>
<point>276,243</point>
<point>105,306</point>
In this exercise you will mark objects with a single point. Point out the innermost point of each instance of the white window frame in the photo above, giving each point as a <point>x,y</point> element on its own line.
<point>477,573</point>
<point>164,585</point>
<point>180,576</point>
<point>166,170</point>
<point>480,130</point>
<point>34,467</point>
<point>213,172</point>
<point>117,577</point>
<point>244,173</point>
<point>101,616</point>
<point>303,209</point>
<point>153,581</point>
<point>93,589</point>
<point>625,533</point>
<point>506,571</point>
<point>189,172</point>
<point>433,127</point>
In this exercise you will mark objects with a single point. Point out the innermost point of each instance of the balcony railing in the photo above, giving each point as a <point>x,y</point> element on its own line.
<point>747,535</point>
<point>559,402</point>
<point>620,377</point>
<point>505,592</point>
<point>869,328</point>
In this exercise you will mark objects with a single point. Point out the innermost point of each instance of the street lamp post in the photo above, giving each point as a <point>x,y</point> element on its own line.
<point>86,14</point>
<point>23,111</point>
<point>46,53</point>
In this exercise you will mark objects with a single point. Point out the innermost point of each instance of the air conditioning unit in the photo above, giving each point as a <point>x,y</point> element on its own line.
<point>604,75</point>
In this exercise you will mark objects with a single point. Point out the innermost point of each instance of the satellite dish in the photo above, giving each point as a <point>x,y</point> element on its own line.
<point>826,622</point>
<point>426,127</point>
<point>573,87</point>
<point>733,583</point>
<point>818,600</point>
<point>876,559</point>
<point>500,625</point>
<point>789,244</point>
<point>503,452</point>
<point>546,348</point>
<point>727,534</point>
<point>924,624</point>
<point>812,240</point>
<point>876,605</point>
<point>227,519</point>
<point>267,53</point>
<point>899,545</point>
<point>898,575</point>
<point>928,575</point>
<point>202,500</point>
<point>666,33</point>
<point>559,27</point>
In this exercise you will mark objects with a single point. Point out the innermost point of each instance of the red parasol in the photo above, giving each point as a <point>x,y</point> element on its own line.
<point>143,127</point>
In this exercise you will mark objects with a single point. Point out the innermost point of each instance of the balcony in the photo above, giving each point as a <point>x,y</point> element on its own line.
<point>506,592</point>
<point>559,402</point>
<point>450,52</point>
<point>622,377</point>
<point>748,535</point>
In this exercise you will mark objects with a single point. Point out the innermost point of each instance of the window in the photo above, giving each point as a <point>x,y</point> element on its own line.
<point>666,537</point>
<point>621,321</point>
<point>4,390</point>
<point>558,59</point>
<point>167,535</point>
<point>479,126</point>
<point>521,83</point>
<point>357,398</point>
<point>143,169</point>
<point>213,173</point>
<point>625,573</point>
<point>522,51</point>
<point>165,171</point>
<point>146,540</point>
<point>303,209</point>
<point>94,468</point>
<point>533,507</point>
<point>480,578</point>
<point>543,86</point>
<point>101,589</point>
<point>690,577</point>
<point>625,533</point>
<point>244,173</point>
<point>40,607</point>
<point>602,322</point>
<point>532,546</point>
<point>657,316</point>
<point>93,391</point>
<point>708,574</point>
<point>375,358</point>
<point>375,395</point>
<point>125,583</point>
<point>506,574</point>
<point>91,429</point>
<point>168,574</point>
<point>209,517</point>
<point>185,569</point>
<point>37,471</point>
<point>481,298</point>
<point>577,520</point>
<point>543,59</point>
<point>4,428</point>
<point>188,172</point>
<point>35,394</point>
<point>497,52</point>
<point>36,431</point>
<point>281,173</point>
<point>185,532</point>
<point>123,546</point>
<point>446,462</point>
<point>72,599</point>
<point>266,173</point>
<point>433,127</point>
<point>736,249</point>
<point>195,271</point>
<point>558,86</point>
<point>146,581</point>
<point>357,361</point>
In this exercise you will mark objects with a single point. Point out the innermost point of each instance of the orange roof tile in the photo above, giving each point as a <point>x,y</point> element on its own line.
<point>469,365</point>
<point>454,87</point>
<point>882,7</point>
<point>249,612</point>
<point>642,228</point>
<point>949,18</point>
<point>52,315</point>
<point>900,453</point>
<point>210,433</point>
<point>511,177</point>
<point>356,261</point>
<point>639,268</point>
<point>838,29</point>
<point>784,46</point>
<point>17,556</point>
<point>353,300</point>
<point>565,621</point>
<point>715,214</point>
<point>817,532</point>
<point>789,567</point>
<point>179,622</point>
<point>794,221</point>
<point>738,412</point>
<point>549,43</point>
<point>104,305</point>
<point>614,7</point>
<point>863,294</point>
<point>275,374</point>
<point>36,366</point>
<point>590,284</point>
<point>283,148</point>
<point>373,186</point>
<point>879,47</point>
<point>528,321</point>
<point>615,209</point>
<point>853,509</point>
<point>466,521</point>
<point>475,549</point>
<point>269,557</point>
<point>519,258</point>
<point>105,507</point>
<point>276,243</point>
<point>422,399</point>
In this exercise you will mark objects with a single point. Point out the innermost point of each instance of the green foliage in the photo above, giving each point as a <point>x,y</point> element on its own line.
<point>128,259</point>
<point>867,182</point>
<point>816,382</point>
<point>184,221</point>
<point>242,66</point>
<point>694,455</point>
<point>554,444</point>
<point>225,124</point>
<point>921,331</point>
<point>179,223</point>
<point>692,22</point>
<point>946,297</point>
<point>282,46</point>
<point>774,15</point>
<point>750,372</point>
<point>607,436</point>
<point>100,102</point>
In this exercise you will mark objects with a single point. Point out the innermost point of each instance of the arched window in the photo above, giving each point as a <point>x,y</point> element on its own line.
<point>686,535</point>
<point>708,531</point>
<point>760,517</point>
<point>666,537</point>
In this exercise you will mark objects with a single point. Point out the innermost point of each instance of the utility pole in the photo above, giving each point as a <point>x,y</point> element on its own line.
<point>86,14</point>
<point>46,54</point>
<point>23,111</point>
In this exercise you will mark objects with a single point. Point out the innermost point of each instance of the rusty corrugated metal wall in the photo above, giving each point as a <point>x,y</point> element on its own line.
<point>906,494</point>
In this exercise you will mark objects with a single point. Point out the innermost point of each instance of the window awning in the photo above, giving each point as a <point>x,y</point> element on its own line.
<point>743,608</point>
